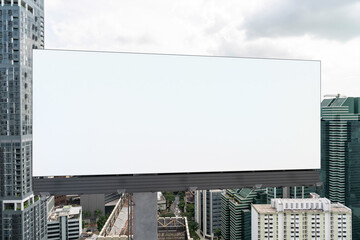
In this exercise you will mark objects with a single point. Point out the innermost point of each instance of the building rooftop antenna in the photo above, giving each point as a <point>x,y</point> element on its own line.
<point>334,96</point>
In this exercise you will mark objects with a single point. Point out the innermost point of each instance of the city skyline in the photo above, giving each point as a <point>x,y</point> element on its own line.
<point>22,213</point>
<point>325,31</point>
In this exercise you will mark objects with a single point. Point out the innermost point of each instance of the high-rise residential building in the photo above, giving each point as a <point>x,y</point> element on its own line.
<point>65,223</point>
<point>236,214</point>
<point>340,154</point>
<point>311,218</point>
<point>22,215</point>
<point>208,211</point>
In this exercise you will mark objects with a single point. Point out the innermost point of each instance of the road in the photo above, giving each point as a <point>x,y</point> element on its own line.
<point>175,207</point>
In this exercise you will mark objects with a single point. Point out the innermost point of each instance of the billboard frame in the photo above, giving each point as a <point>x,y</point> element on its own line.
<point>153,182</point>
<point>133,183</point>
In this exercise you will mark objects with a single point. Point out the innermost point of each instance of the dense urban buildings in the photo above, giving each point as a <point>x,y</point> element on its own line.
<point>22,215</point>
<point>208,211</point>
<point>340,154</point>
<point>236,214</point>
<point>236,207</point>
<point>65,223</point>
<point>311,218</point>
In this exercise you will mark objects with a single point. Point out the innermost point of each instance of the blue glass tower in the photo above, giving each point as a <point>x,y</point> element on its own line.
<point>340,154</point>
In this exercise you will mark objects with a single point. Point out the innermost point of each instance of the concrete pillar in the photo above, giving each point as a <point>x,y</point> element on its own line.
<point>145,216</point>
<point>204,219</point>
<point>286,192</point>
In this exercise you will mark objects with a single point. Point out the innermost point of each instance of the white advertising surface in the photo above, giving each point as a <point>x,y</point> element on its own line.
<point>98,113</point>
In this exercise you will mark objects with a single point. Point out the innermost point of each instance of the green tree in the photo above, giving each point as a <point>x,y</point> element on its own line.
<point>86,214</point>
<point>170,198</point>
<point>181,195</point>
<point>218,232</point>
<point>101,222</point>
<point>194,236</point>
<point>190,211</point>
<point>97,212</point>
<point>167,214</point>
<point>181,205</point>
<point>190,208</point>
<point>193,226</point>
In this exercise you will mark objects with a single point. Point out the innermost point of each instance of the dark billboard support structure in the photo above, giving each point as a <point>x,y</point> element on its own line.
<point>175,182</point>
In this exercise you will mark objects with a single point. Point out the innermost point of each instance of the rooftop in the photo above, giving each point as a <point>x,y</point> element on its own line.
<point>268,209</point>
<point>69,211</point>
<point>302,200</point>
<point>339,208</point>
<point>160,196</point>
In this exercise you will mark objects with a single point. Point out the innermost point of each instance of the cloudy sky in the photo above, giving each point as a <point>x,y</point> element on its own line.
<point>326,30</point>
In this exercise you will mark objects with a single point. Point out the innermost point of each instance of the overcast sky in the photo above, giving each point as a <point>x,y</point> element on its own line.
<point>326,30</point>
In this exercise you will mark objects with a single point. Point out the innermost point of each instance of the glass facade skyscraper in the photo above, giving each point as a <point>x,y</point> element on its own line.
<point>236,212</point>
<point>22,215</point>
<point>208,211</point>
<point>340,154</point>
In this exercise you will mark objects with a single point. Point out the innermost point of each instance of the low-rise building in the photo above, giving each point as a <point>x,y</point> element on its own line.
<point>190,196</point>
<point>65,223</point>
<point>161,201</point>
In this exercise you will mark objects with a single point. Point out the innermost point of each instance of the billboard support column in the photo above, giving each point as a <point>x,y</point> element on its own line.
<point>145,216</point>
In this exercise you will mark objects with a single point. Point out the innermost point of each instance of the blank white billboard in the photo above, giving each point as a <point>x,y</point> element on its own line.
<point>97,113</point>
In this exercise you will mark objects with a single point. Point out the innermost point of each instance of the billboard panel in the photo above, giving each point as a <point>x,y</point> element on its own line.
<point>99,113</point>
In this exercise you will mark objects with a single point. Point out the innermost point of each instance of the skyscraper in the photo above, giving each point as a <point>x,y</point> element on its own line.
<point>22,215</point>
<point>340,154</point>
<point>208,211</point>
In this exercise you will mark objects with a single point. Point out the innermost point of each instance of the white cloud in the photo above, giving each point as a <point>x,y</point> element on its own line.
<point>324,30</point>
<point>333,19</point>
